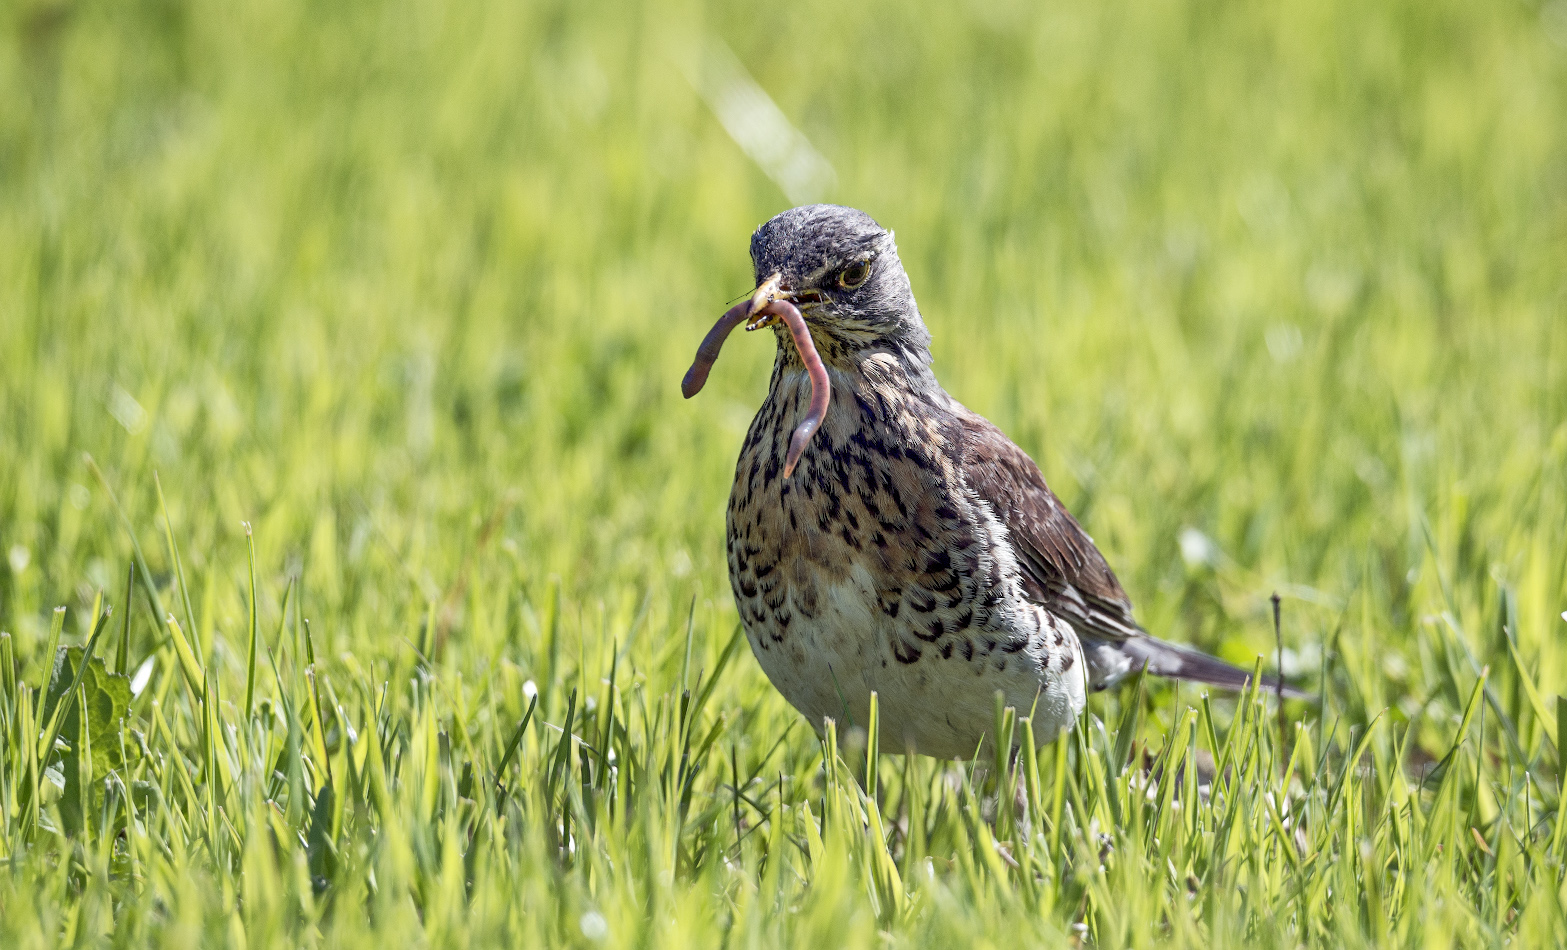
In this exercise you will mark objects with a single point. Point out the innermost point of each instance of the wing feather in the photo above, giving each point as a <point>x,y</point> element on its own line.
<point>1062,569</point>
<point>1065,573</point>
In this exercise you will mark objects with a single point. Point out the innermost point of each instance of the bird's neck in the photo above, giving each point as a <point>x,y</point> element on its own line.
<point>848,352</point>
<point>888,363</point>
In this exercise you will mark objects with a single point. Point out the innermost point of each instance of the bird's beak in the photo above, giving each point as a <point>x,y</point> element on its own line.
<point>773,289</point>
<point>765,293</point>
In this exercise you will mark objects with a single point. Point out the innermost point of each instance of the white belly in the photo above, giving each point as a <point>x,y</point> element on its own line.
<point>828,665</point>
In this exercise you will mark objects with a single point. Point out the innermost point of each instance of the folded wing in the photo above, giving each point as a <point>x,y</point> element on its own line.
<point>1065,573</point>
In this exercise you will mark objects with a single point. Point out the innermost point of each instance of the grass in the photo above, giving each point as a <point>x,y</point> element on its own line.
<point>357,328</point>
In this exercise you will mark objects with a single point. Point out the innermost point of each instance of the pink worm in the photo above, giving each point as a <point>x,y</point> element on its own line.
<point>707,353</point>
<point>821,386</point>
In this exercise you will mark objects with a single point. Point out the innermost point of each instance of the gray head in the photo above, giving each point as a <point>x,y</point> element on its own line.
<point>842,270</point>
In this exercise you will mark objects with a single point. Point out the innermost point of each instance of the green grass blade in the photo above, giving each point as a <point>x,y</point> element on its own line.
<point>255,630</point>
<point>179,570</point>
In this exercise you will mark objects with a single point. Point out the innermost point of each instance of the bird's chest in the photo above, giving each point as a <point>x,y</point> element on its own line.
<point>869,567</point>
<point>827,544</point>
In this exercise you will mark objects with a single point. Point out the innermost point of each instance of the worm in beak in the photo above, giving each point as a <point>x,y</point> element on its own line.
<point>768,303</point>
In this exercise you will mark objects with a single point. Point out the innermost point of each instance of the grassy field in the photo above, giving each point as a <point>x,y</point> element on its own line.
<point>357,326</point>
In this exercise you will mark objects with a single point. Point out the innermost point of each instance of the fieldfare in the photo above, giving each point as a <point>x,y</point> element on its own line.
<point>883,538</point>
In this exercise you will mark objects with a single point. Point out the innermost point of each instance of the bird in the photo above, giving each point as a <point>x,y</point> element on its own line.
<point>882,538</point>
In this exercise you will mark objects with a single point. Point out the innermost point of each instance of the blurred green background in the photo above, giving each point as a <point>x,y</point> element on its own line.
<point>369,275</point>
<point>1274,292</point>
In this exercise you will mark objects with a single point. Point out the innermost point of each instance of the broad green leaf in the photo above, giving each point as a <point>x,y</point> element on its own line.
<point>108,698</point>
<point>105,697</point>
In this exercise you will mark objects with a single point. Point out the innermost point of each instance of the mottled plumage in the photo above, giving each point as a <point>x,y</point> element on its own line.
<point>915,551</point>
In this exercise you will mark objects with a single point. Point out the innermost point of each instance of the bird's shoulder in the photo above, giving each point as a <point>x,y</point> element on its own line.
<point>1061,567</point>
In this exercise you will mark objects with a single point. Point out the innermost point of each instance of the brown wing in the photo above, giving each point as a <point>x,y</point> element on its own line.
<point>1064,573</point>
<point>1062,570</point>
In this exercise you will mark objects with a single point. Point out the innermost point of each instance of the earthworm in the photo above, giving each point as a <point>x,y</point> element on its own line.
<point>707,353</point>
<point>821,386</point>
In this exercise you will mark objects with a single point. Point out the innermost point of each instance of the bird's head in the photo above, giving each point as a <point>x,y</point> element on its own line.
<point>828,280</point>
<point>841,269</point>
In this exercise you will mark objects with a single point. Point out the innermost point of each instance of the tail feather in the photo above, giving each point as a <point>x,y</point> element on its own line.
<point>1111,660</point>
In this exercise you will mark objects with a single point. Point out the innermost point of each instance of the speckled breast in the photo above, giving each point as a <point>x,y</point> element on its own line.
<point>873,568</point>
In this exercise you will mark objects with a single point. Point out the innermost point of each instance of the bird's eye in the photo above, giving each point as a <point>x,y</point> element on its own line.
<point>854,275</point>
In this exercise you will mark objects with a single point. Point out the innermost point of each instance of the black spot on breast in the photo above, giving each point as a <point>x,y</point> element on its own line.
<point>946,650</point>
<point>936,627</point>
<point>842,472</point>
<point>950,583</point>
<point>904,652</point>
<point>968,650</point>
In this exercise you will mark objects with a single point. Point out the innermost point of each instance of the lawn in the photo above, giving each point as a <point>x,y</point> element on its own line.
<point>357,327</point>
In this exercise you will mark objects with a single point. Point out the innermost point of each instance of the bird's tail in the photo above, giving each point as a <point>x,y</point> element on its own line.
<point>1173,660</point>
